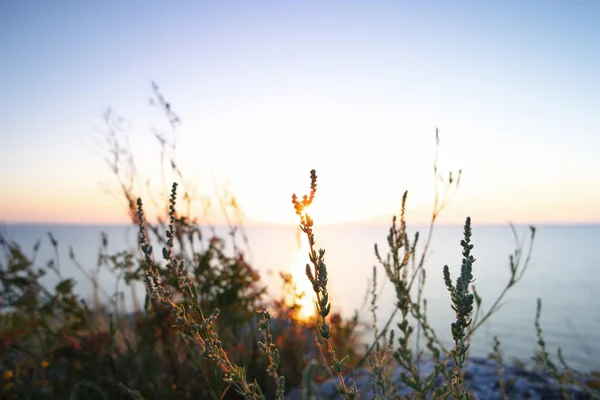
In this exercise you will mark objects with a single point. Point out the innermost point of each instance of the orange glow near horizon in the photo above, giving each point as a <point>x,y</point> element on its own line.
<point>108,210</point>
<point>38,211</point>
<point>89,204</point>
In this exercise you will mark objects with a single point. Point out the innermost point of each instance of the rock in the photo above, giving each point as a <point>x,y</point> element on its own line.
<point>481,376</point>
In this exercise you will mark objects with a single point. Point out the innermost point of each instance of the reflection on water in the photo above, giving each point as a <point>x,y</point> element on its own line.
<point>563,272</point>
<point>297,270</point>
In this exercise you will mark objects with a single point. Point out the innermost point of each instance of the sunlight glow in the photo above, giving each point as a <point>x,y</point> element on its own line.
<point>297,271</point>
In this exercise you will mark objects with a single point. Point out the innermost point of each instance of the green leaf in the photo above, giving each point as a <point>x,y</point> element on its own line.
<point>66,286</point>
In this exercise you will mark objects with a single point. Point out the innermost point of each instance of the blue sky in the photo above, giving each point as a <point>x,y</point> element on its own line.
<point>268,90</point>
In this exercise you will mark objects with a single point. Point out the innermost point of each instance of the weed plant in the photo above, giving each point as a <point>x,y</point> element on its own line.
<point>207,329</point>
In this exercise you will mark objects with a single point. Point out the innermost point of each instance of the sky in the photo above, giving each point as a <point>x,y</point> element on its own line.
<point>268,90</point>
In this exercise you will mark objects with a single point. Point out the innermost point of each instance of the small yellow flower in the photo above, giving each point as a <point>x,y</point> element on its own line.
<point>44,364</point>
<point>8,374</point>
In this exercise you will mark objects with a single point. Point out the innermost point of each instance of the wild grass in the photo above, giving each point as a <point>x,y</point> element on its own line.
<point>206,328</point>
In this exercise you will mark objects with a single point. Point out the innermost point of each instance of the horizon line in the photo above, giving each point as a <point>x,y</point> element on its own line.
<point>288,225</point>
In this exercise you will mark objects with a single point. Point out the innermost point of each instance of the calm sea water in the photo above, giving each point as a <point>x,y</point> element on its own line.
<point>564,272</point>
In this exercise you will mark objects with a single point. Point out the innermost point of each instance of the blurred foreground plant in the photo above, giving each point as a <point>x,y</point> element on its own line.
<point>190,317</point>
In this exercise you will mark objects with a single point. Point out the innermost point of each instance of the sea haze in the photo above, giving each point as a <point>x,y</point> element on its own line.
<point>564,272</point>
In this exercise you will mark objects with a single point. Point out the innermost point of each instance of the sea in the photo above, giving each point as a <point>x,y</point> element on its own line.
<point>563,271</point>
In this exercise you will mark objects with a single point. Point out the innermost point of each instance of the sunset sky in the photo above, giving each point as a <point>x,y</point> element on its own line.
<point>268,90</point>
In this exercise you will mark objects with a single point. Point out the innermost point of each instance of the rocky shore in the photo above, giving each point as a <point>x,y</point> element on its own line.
<point>482,378</point>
